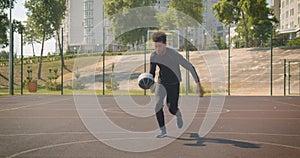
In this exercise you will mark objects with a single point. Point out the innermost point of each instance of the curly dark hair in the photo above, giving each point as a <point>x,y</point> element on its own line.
<point>159,37</point>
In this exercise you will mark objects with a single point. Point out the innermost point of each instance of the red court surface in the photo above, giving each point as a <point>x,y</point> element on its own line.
<point>247,127</point>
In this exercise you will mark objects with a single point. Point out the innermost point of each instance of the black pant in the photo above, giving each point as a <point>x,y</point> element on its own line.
<point>171,91</point>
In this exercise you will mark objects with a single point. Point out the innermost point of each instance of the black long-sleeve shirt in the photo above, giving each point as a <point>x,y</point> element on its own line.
<point>168,64</point>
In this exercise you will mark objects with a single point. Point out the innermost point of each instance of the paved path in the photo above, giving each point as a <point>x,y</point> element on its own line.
<point>50,126</point>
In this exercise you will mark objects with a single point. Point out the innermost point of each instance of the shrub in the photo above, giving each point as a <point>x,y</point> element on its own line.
<point>111,84</point>
<point>51,84</point>
<point>77,84</point>
<point>294,42</point>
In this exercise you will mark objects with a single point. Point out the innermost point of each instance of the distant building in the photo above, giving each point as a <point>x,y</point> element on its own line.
<point>85,28</point>
<point>288,13</point>
<point>211,24</point>
<point>83,25</point>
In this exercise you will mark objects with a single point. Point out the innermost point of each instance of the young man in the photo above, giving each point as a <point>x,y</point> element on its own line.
<point>168,61</point>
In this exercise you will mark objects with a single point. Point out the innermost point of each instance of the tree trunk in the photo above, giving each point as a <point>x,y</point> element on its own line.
<point>33,53</point>
<point>246,30</point>
<point>41,58</point>
<point>60,48</point>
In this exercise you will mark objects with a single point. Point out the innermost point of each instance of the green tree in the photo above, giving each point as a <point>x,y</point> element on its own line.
<point>174,19</point>
<point>181,14</point>
<point>168,20</point>
<point>294,42</point>
<point>221,44</point>
<point>3,29</point>
<point>4,55</point>
<point>30,36</point>
<point>192,8</point>
<point>246,14</point>
<point>4,4</point>
<point>18,26</point>
<point>45,17</point>
<point>122,16</point>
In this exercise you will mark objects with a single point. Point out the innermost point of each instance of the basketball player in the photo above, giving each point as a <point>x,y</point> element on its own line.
<point>169,78</point>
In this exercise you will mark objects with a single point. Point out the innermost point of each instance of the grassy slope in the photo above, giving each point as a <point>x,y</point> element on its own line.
<point>243,63</point>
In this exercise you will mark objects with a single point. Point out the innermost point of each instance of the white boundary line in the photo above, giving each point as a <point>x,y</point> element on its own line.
<point>26,106</point>
<point>82,133</point>
<point>91,141</point>
<point>265,134</point>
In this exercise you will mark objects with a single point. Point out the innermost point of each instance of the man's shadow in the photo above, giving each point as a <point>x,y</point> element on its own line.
<point>201,141</point>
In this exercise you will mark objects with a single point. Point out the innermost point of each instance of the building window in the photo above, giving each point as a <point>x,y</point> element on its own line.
<point>88,22</point>
<point>292,12</point>
<point>220,28</point>
<point>88,5</point>
<point>88,14</point>
<point>292,24</point>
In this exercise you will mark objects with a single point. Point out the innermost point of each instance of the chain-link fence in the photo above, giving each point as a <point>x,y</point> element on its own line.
<point>249,69</point>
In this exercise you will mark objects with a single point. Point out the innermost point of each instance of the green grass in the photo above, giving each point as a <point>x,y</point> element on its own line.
<point>84,60</point>
<point>67,91</point>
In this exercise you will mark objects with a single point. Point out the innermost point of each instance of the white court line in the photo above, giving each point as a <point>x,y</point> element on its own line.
<point>131,117</point>
<point>267,143</point>
<point>136,138</point>
<point>274,110</point>
<point>72,143</point>
<point>50,146</point>
<point>280,102</point>
<point>40,134</point>
<point>117,110</point>
<point>257,118</point>
<point>64,117</point>
<point>265,134</point>
<point>26,106</point>
<point>83,133</point>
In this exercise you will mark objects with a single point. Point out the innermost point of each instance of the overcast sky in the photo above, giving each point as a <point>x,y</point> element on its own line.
<point>19,13</point>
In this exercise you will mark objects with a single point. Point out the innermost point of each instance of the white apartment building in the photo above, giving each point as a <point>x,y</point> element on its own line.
<point>212,25</point>
<point>85,28</point>
<point>83,25</point>
<point>288,12</point>
<point>200,37</point>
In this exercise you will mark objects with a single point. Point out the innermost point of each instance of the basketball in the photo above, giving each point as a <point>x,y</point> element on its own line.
<point>145,80</point>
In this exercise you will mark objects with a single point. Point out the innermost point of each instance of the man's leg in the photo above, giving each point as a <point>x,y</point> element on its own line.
<point>160,96</point>
<point>172,102</point>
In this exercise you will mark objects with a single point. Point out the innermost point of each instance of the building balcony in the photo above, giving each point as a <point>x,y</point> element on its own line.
<point>289,30</point>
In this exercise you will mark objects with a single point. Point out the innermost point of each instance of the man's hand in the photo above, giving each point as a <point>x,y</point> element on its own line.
<point>200,90</point>
<point>152,88</point>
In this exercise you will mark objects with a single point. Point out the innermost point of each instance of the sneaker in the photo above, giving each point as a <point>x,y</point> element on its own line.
<point>162,133</point>
<point>179,119</point>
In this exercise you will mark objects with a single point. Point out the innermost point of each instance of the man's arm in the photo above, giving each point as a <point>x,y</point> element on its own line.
<point>200,89</point>
<point>152,69</point>
<point>187,65</point>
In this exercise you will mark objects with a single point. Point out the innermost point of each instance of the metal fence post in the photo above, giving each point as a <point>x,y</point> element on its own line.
<point>22,63</point>
<point>62,62</point>
<point>284,77</point>
<point>271,73</point>
<point>229,59</point>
